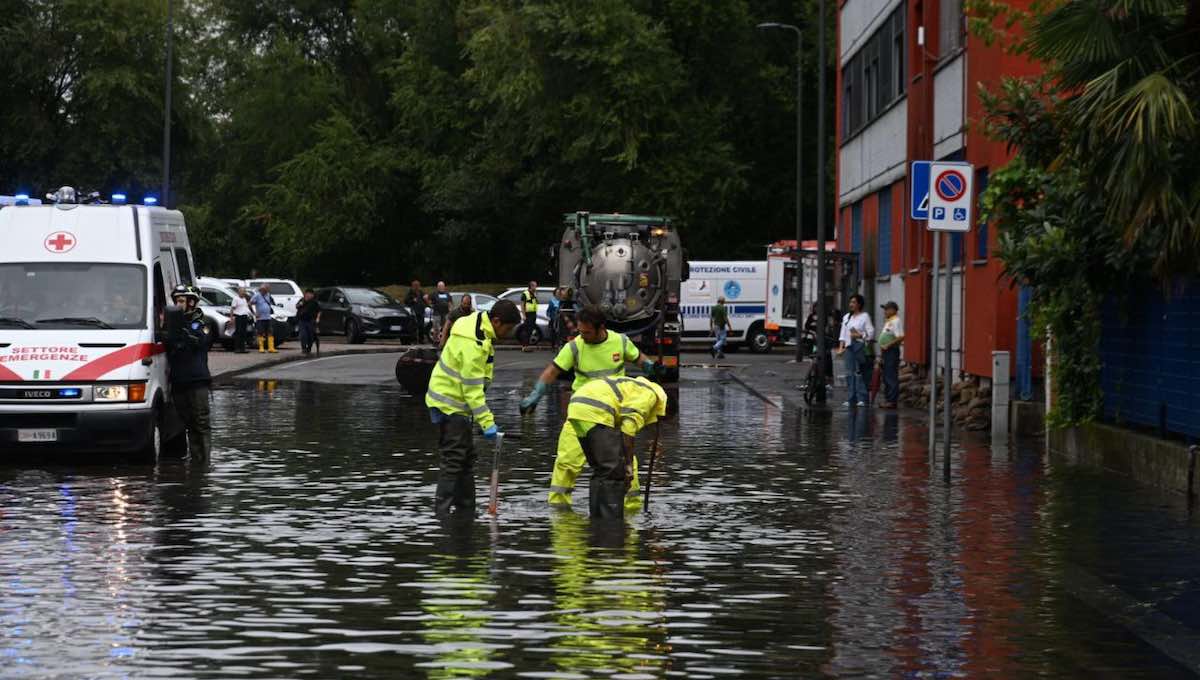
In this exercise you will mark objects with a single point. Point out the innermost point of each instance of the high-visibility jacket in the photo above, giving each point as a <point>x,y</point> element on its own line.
<point>464,370</point>
<point>601,360</point>
<point>627,403</point>
<point>530,300</point>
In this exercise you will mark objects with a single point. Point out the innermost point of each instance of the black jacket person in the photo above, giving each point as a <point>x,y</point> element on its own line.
<point>187,362</point>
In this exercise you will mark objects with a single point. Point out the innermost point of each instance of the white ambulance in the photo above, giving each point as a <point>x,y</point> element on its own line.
<point>82,288</point>
<point>744,286</point>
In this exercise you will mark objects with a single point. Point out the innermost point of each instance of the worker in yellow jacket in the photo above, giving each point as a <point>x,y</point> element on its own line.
<point>606,414</point>
<point>596,353</point>
<point>456,399</point>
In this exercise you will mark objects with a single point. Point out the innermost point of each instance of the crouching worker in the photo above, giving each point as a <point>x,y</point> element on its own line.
<point>456,400</point>
<point>606,415</point>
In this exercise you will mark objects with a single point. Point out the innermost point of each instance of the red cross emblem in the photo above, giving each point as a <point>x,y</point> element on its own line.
<point>60,242</point>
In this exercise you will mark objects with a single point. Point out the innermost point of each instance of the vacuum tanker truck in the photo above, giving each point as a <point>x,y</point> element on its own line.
<point>631,267</point>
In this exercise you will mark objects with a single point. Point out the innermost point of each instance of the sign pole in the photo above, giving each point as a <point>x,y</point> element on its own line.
<point>933,334</point>
<point>948,374</point>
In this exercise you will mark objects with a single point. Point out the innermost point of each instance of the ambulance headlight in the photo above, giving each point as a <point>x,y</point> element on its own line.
<point>111,393</point>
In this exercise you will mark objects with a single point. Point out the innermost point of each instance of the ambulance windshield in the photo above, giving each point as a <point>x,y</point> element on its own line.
<point>52,295</point>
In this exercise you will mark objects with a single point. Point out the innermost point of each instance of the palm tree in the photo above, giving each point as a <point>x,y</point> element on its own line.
<point>1131,69</point>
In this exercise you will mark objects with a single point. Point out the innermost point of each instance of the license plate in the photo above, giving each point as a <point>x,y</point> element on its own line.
<point>37,435</point>
<point>397,328</point>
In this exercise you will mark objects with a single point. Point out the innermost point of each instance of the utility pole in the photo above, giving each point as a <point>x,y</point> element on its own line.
<point>166,162</point>
<point>822,350</point>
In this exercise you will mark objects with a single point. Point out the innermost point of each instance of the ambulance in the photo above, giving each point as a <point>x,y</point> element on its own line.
<point>83,284</point>
<point>743,284</point>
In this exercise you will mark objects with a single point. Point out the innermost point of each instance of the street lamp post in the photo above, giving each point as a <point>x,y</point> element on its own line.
<point>799,166</point>
<point>166,162</point>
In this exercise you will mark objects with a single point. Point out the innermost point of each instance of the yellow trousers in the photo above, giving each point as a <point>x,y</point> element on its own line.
<point>569,463</point>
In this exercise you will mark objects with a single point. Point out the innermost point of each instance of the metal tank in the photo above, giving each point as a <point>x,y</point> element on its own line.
<point>631,267</point>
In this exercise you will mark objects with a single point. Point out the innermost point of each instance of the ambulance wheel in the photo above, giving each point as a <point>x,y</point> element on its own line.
<point>150,452</point>
<point>757,340</point>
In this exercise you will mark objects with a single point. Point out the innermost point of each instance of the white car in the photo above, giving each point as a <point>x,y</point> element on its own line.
<point>285,291</point>
<point>544,295</point>
<point>216,300</point>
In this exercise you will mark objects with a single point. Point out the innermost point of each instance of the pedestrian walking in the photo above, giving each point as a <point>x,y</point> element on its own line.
<point>857,330</point>
<point>415,301</point>
<point>552,315</point>
<point>242,320</point>
<point>442,300</point>
<point>308,315</point>
<point>456,401</point>
<point>529,309</point>
<point>596,353</point>
<point>718,322</point>
<point>890,339</point>
<point>187,365</point>
<point>605,416</point>
<point>263,305</point>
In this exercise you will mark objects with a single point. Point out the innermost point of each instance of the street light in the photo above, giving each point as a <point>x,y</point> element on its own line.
<point>166,180</point>
<point>799,166</point>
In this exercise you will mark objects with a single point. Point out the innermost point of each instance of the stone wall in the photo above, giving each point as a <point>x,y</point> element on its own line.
<point>970,402</point>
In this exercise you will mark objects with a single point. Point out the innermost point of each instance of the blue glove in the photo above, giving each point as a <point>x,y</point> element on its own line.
<point>491,432</point>
<point>529,402</point>
<point>649,368</point>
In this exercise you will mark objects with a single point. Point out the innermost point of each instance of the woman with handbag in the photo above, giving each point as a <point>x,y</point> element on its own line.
<point>857,331</point>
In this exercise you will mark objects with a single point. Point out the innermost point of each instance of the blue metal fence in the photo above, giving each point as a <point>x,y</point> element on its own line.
<point>1150,350</point>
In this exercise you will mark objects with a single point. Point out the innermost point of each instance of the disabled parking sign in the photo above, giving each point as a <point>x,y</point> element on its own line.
<point>950,195</point>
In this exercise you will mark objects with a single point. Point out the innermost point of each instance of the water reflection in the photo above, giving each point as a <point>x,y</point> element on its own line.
<point>780,543</point>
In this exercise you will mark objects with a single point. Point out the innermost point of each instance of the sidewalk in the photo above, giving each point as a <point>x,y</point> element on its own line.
<point>224,365</point>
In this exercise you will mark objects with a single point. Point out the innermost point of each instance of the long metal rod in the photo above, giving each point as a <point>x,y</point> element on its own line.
<point>166,178</point>
<point>650,469</point>
<point>822,350</point>
<point>948,375</point>
<point>933,333</point>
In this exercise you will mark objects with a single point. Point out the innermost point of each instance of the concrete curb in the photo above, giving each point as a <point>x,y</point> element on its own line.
<point>227,376</point>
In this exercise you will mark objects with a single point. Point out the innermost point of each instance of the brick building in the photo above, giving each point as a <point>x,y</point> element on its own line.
<point>899,102</point>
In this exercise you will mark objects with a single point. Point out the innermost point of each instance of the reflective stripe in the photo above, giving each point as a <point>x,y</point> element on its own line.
<point>624,347</point>
<point>458,376</point>
<point>601,373</point>
<point>595,403</point>
<point>479,410</point>
<point>436,396</point>
<point>575,353</point>
<point>612,385</point>
<point>565,490</point>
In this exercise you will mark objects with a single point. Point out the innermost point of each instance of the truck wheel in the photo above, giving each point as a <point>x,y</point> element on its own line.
<point>757,340</point>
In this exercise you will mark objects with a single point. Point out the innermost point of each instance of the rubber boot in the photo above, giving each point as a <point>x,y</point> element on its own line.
<point>271,344</point>
<point>464,494</point>
<point>444,496</point>
<point>261,344</point>
<point>607,499</point>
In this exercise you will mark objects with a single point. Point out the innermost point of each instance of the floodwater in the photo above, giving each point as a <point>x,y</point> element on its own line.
<point>777,545</point>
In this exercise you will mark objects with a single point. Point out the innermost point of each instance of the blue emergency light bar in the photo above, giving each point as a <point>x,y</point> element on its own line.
<point>118,199</point>
<point>150,200</point>
<point>70,393</point>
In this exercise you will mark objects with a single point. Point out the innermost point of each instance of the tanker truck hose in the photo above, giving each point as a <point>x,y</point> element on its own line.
<point>585,237</point>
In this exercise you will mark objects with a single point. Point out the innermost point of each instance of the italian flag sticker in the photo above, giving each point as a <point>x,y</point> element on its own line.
<point>41,375</point>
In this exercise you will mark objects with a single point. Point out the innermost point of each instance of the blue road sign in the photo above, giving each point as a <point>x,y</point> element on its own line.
<point>960,214</point>
<point>918,198</point>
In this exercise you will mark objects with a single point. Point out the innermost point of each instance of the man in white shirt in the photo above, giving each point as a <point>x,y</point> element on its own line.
<point>889,350</point>
<point>857,331</point>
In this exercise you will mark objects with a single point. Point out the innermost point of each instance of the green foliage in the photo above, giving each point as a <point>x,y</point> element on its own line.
<point>1105,183</point>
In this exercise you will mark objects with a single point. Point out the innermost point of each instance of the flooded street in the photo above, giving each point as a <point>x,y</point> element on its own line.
<point>777,544</point>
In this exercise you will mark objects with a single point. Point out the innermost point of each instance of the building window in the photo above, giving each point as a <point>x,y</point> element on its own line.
<point>885,232</point>
<point>874,77</point>
<point>950,22</point>
<point>981,225</point>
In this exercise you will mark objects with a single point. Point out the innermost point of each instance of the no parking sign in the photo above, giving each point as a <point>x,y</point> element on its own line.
<point>950,196</point>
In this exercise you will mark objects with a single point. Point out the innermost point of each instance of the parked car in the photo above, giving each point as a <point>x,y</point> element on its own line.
<point>215,302</point>
<point>544,294</point>
<point>359,313</point>
<point>480,302</point>
<point>285,291</point>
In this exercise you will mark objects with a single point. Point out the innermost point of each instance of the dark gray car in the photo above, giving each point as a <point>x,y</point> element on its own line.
<point>360,313</point>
